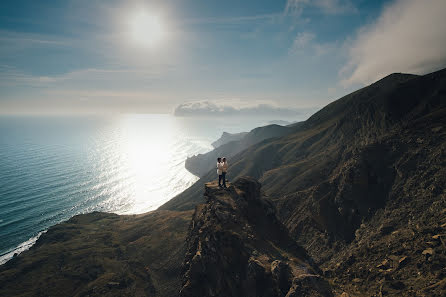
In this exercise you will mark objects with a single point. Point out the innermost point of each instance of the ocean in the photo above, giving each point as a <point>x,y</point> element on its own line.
<point>55,167</point>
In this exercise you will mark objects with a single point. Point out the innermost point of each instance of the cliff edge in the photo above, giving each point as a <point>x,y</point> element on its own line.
<point>237,247</point>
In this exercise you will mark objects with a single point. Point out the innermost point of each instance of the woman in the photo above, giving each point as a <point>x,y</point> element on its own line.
<point>224,171</point>
<point>219,171</point>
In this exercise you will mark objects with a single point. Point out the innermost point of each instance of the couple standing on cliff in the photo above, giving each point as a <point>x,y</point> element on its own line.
<point>222,168</point>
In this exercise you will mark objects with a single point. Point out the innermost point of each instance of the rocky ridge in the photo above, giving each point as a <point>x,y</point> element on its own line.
<point>237,247</point>
<point>202,163</point>
<point>228,137</point>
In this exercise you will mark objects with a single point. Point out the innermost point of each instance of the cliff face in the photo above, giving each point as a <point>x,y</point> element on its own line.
<point>237,247</point>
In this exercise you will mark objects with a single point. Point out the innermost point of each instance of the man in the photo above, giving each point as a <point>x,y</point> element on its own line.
<point>219,171</point>
<point>224,171</point>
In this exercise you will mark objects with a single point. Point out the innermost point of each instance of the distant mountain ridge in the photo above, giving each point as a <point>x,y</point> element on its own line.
<point>228,137</point>
<point>203,163</point>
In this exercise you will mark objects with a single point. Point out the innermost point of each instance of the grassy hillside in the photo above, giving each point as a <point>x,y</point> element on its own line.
<point>101,254</point>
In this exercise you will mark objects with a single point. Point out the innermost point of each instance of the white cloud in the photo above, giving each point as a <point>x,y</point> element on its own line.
<point>302,40</point>
<point>31,39</point>
<point>233,20</point>
<point>87,90</point>
<point>213,108</point>
<point>409,36</point>
<point>296,7</point>
<point>305,44</point>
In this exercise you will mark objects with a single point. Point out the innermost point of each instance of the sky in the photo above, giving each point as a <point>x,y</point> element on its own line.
<point>157,56</point>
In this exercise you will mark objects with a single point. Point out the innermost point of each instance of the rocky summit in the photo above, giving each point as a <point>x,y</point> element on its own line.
<point>237,247</point>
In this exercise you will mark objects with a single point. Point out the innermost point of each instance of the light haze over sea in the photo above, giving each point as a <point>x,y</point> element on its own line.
<point>52,168</point>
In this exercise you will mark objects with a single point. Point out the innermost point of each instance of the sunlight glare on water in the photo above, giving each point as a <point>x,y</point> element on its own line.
<point>53,168</point>
<point>149,149</point>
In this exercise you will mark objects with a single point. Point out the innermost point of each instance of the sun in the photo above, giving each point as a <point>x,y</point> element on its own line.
<point>147,29</point>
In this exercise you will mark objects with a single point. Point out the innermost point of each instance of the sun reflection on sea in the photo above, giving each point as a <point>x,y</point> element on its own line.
<point>150,161</point>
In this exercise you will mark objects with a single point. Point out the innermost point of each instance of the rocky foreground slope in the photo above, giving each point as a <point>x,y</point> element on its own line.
<point>237,247</point>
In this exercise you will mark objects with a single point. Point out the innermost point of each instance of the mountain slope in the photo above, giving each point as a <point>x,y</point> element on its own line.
<point>364,158</point>
<point>346,122</point>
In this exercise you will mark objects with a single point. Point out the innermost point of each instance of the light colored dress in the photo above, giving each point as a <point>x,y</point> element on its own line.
<point>219,168</point>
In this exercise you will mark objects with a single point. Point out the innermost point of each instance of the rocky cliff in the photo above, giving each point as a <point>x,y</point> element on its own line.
<point>237,247</point>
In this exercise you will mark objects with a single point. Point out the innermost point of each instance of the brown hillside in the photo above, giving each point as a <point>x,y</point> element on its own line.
<point>101,254</point>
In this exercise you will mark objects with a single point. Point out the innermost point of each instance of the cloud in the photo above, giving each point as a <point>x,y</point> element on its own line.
<point>214,108</point>
<point>91,78</point>
<point>86,90</point>
<point>234,20</point>
<point>305,44</point>
<point>31,39</point>
<point>302,40</point>
<point>409,36</point>
<point>296,7</point>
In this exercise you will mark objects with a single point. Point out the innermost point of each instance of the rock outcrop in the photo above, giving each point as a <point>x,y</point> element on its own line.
<point>237,247</point>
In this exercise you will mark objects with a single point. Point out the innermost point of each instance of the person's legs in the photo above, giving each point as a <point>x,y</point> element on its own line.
<point>223,176</point>
<point>219,180</point>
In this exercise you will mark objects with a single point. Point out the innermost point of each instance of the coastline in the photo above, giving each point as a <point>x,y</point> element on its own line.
<point>77,167</point>
<point>24,246</point>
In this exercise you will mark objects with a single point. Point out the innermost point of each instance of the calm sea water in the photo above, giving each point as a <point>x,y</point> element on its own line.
<point>52,168</point>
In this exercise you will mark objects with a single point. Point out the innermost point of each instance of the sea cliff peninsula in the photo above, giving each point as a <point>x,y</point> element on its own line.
<point>350,202</point>
<point>183,148</point>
